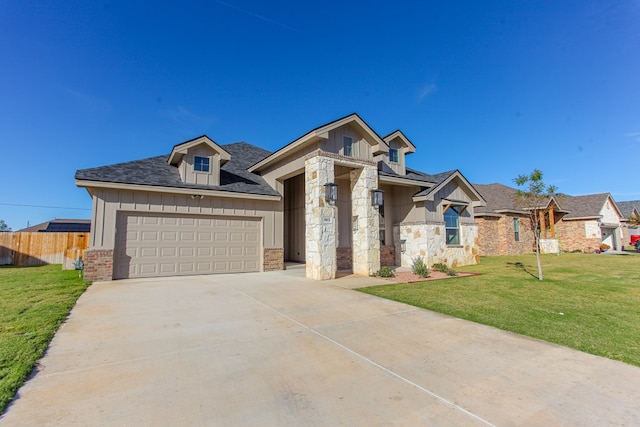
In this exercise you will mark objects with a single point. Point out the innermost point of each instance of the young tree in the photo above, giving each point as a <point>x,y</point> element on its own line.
<point>4,226</point>
<point>533,196</point>
<point>634,220</point>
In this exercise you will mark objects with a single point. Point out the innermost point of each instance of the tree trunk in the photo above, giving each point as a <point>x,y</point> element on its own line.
<point>538,258</point>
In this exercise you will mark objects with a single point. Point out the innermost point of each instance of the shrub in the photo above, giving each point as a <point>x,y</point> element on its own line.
<point>385,272</point>
<point>440,267</point>
<point>419,268</point>
<point>604,247</point>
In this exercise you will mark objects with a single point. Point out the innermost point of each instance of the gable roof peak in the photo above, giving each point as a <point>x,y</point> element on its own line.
<point>179,150</point>
<point>322,132</point>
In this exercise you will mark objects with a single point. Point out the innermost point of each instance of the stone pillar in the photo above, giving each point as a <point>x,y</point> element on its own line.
<point>321,220</point>
<point>366,226</point>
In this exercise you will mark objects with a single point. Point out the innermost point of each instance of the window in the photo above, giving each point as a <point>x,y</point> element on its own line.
<point>347,144</point>
<point>201,164</point>
<point>393,155</point>
<point>516,229</point>
<point>451,224</point>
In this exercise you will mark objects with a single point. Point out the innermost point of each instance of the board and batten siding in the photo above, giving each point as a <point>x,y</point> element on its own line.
<point>451,190</point>
<point>334,144</point>
<point>108,202</point>
<point>203,178</point>
<point>400,166</point>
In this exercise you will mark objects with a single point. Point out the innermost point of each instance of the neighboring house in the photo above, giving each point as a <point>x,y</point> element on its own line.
<point>593,219</point>
<point>60,226</point>
<point>504,227</point>
<point>568,223</point>
<point>629,209</point>
<point>338,197</point>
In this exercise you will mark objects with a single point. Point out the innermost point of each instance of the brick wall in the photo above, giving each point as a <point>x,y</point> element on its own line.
<point>488,241</point>
<point>496,236</point>
<point>387,256</point>
<point>573,237</point>
<point>273,259</point>
<point>98,264</point>
<point>345,258</point>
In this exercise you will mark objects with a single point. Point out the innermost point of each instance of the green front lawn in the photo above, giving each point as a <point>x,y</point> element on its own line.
<point>34,302</point>
<point>588,302</point>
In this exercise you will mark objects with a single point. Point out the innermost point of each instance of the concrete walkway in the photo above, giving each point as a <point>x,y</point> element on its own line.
<point>278,349</point>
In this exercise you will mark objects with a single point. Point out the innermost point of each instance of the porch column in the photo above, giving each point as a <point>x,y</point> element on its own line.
<point>543,227</point>
<point>366,222</point>
<point>321,233</point>
<point>552,225</point>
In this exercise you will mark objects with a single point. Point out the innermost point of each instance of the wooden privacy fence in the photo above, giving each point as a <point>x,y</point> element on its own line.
<point>22,249</point>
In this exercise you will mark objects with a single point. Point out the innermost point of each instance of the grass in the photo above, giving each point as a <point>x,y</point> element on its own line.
<point>34,302</point>
<point>587,302</point>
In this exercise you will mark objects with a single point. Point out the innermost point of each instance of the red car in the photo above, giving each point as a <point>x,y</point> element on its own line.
<point>635,241</point>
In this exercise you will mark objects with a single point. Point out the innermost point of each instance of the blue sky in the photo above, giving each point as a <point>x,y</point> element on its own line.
<point>493,88</point>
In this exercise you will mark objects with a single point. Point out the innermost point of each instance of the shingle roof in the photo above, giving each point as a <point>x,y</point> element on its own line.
<point>501,197</point>
<point>414,174</point>
<point>156,171</point>
<point>588,206</point>
<point>498,197</point>
<point>626,208</point>
<point>436,179</point>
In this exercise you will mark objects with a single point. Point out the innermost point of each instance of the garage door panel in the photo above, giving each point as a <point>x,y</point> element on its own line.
<point>250,251</point>
<point>204,252</point>
<point>169,221</point>
<point>169,236</point>
<point>251,265</point>
<point>149,235</point>
<point>187,235</point>
<point>168,267</point>
<point>148,252</point>
<point>186,252</point>
<point>147,269</point>
<point>150,245</point>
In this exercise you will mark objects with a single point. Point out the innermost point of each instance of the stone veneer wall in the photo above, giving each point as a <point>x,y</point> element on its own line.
<point>549,246</point>
<point>273,259</point>
<point>579,235</point>
<point>366,241</point>
<point>427,240</point>
<point>388,256</point>
<point>320,220</point>
<point>98,264</point>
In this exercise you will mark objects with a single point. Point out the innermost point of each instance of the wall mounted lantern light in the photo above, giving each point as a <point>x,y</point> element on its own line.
<point>331,192</point>
<point>377,198</point>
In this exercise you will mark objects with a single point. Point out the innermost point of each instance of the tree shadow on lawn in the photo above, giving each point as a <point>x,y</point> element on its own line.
<point>520,266</point>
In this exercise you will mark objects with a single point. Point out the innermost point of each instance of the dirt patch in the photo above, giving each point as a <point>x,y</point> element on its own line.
<point>409,277</point>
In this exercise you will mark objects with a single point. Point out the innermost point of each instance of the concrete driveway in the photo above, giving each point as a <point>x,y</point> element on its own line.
<point>278,349</point>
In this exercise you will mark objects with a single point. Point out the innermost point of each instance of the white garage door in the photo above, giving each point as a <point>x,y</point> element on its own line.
<point>171,245</point>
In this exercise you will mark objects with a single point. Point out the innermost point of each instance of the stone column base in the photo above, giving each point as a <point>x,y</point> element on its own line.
<point>98,264</point>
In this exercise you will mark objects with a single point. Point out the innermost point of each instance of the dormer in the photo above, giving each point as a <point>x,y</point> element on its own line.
<point>199,161</point>
<point>399,147</point>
